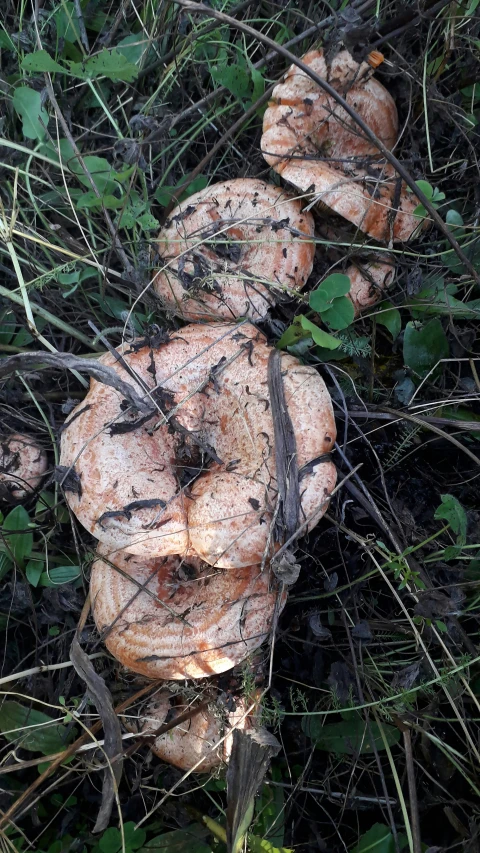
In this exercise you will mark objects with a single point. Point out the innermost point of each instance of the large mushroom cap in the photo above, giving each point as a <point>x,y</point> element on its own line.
<point>155,492</point>
<point>230,249</point>
<point>173,619</point>
<point>22,465</point>
<point>205,737</point>
<point>314,144</point>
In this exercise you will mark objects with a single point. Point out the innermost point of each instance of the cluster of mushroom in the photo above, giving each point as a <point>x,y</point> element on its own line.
<point>189,503</point>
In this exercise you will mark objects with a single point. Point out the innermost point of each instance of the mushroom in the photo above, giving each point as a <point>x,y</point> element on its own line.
<point>230,250</point>
<point>368,281</point>
<point>22,465</point>
<point>314,145</point>
<point>173,619</point>
<point>206,736</point>
<point>200,477</point>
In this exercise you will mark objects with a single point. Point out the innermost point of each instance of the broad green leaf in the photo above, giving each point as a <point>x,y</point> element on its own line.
<point>454,219</point>
<point>18,538</point>
<point>452,511</point>
<point>33,571</point>
<point>263,845</point>
<point>350,736</point>
<point>164,194</point>
<point>390,317</point>
<point>6,42</point>
<point>41,61</point>
<point>66,22</point>
<point>302,327</point>
<point>111,840</point>
<point>270,814</point>
<point>108,63</point>
<point>426,188</point>
<point>59,575</point>
<point>33,729</point>
<point>258,84</point>
<point>27,104</point>
<point>379,839</point>
<point>235,78</point>
<point>132,47</point>
<point>189,840</point>
<point>101,171</point>
<point>5,564</point>
<point>333,286</point>
<point>148,222</point>
<point>90,201</point>
<point>424,346</point>
<point>340,314</point>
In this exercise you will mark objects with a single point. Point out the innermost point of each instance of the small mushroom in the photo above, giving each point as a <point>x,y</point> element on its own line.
<point>23,464</point>
<point>205,737</point>
<point>315,146</point>
<point>173,619</point>
<point>199,477</point>
<point>230,250</point>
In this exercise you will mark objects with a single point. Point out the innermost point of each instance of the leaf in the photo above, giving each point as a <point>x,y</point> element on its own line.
<point>33,571</point>
<point>350,736</point>
<point>333,286</point>
<point>108,63</point>
<point>426,188</point>
<point>235,78</point>
<point>164,194</point>
<point>33,729</point>
<point>5,565</point>
<point>379,839</point>
<point>18,538</point>
<point>100,169</point>
<point>340,315</point>
<point>389,317</point>
<point>302,327</point>
<point>270,814</point>
<point>27,103</point>
<point>148,222</point>
<point>59,575</point>
<point>41,61</point>
<point>133,47</point>
<point>263,845</point>
<point>424,346</point>
<point>189,840</point>
<point>111,840</point>
<point>452,511</point>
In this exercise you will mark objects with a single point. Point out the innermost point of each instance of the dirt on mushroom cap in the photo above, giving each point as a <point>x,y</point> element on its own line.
<point>173,619</point>
<point>232,250</point>
<point>214,379</point>
<point>314,144</point>
<point>23,464</point>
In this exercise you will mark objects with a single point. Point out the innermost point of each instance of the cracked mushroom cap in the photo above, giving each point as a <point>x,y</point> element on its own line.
<point>232,249</point>
<point>206,483</point>
<point>173,619</point>
<point>23,464</point>
<point>315,146</point>
<point>205,737</point>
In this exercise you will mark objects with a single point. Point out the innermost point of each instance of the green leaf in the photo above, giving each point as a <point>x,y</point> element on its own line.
<point>164,194</point>
<point>263,845</point>
<point>41,61</point>
<point>18,537</point>
<point>101,171</point>
<point>333,286</point>
<point>108,63</point>
<point>452,511</point>
<point>5,564</point>
<point>33,729</point>
<point>148,222</point>
<point>59,575</point>
<point>133,47</point>
<point>340,314</point>
<point>270,814</point>
<point>454,219</point>
<point>235,78</point>
<point>27,103</point>
<point>33,571</point>
<point>350,736</point>
<point>424,346</point>
<point>302,327</point>
<point>389,317</point>
<point>189,840</point>
<point>426,188</point>
<point>379,839</point>
<point>111,840</point>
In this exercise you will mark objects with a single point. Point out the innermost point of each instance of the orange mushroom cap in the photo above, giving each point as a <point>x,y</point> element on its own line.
<point>206,737</point>
<point>214,378</point>
<point>174,619</point>
<point>230,249</point>
<point>368,281</point>
<point>22,465</point>
<point>314,144</point>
